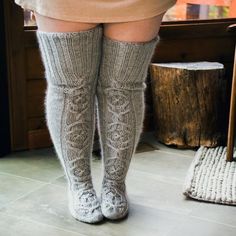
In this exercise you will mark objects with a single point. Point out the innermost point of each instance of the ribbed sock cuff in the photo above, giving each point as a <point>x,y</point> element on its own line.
<point>125,64</point>
<point>70,57</point>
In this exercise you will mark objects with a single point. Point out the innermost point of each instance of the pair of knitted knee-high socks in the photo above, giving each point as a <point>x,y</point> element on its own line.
<point>85,70</point>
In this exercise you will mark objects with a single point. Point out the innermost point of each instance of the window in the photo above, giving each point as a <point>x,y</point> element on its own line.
<point>201,9</point>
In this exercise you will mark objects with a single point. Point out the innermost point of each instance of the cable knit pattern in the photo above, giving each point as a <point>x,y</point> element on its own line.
<point>120,96</point>
<point>71,63</point>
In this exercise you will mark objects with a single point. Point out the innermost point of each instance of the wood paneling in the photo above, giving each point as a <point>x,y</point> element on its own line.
<point>185,41</point>
<point>201,41</point>
<point>37,123</point>
<point>39,139</point>
<point>36,87</point>
<point>16,75</point>
<point>33,62</point>
<point>192,49</point>
<point>5,140</point>
<point>35,106</point>
<point>179,42</point>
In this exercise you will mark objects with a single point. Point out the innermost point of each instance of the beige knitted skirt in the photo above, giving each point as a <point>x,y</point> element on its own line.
<point>98,11</point>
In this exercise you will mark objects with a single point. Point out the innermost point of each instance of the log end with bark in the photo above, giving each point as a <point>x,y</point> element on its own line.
<point>189,103</point>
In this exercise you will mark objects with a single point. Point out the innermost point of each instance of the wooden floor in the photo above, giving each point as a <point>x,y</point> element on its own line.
<point>33,197</point>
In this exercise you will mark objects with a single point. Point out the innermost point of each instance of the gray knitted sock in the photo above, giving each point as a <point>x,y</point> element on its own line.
<point>120,97</point>
<point>71,61</point>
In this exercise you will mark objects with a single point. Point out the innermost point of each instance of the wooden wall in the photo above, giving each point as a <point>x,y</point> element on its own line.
<point>5,143</point>
<point>200,41</point>
<point>179,42</point>
<point>38,135</point>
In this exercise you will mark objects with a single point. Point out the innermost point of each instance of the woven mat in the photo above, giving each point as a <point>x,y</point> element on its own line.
<point>211,178</point>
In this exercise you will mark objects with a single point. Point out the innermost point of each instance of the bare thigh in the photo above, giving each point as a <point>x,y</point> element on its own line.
<point>48,24</point>
<point>134,31</point>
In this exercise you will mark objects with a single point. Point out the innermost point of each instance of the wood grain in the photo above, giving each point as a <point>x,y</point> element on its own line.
<point>188,105</point>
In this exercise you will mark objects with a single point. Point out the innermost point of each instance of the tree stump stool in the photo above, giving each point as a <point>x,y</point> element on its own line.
<point>189,103</point>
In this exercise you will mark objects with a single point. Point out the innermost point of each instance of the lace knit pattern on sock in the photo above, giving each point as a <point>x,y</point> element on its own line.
<point>71,63</point>
<point>120,92</point>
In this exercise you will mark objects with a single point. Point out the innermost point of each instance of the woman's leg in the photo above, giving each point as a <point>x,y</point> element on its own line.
<point>134,31</point>
<point>71,54</point>
<point>127,51</point>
